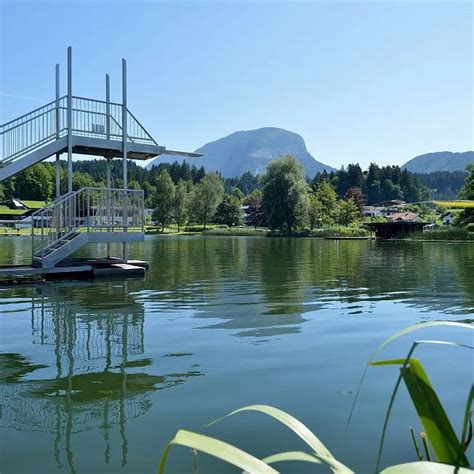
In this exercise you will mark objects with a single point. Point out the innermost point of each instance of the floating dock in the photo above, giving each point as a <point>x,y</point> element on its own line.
<point>76,269</point>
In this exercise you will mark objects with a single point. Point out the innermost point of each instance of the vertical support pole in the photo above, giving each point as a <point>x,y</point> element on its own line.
<point>107,106</point>
<point>69,119</point>
<point>124,151</point>
<point>108,162</point>
<point>58,128</point>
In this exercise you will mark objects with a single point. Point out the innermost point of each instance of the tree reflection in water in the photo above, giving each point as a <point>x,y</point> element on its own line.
<point>84,335</point>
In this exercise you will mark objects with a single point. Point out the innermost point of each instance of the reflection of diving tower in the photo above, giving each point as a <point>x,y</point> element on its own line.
<point>94,386</point>
<point>72,124</point>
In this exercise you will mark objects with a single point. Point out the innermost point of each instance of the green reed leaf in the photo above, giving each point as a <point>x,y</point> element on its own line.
<point>409,329</point>
<point>424,467</point>
<point>219,449</point>
<point>334,464</point>
<point>290,422</point>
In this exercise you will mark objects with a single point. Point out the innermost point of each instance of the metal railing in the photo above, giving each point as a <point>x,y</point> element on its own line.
<point>86,210</point>
<point>89,118</point>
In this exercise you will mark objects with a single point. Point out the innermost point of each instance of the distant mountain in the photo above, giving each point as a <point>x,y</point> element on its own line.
<point>440,161</point>
<point>250,150</point>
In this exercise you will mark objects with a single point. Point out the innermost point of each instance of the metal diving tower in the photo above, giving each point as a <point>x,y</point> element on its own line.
<point>72,124</point>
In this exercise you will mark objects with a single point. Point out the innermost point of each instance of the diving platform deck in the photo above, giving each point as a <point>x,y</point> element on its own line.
<point>77,269</point>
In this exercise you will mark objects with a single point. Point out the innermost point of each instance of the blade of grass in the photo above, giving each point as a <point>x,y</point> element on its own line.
<point>291,456</point>
<point>409,329</point>
<point>467,426</point>
<point>219,449</point>
<point>289,421</point>
<point>334,464</point>
<point>432,415</point>
<point>424,467</point>
<point>397,385</point>
<point>415,443</point>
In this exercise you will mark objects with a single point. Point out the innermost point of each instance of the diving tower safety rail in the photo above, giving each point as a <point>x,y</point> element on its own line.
<point>72,124</point>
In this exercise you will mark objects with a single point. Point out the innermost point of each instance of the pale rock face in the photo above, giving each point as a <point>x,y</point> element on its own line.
<point>251,150</point>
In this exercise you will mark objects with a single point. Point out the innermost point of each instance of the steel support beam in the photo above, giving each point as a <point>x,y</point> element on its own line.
<point>124,150</point>
<point>58,128</point>
<point>69,119</point>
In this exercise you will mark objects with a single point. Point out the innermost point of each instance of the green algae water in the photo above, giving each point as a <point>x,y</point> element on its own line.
<point>97,376</point>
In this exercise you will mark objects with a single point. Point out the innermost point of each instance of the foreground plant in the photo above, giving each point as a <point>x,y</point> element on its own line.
<point>439,434</point>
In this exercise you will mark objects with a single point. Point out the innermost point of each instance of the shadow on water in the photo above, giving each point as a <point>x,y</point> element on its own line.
<point>99,379</point>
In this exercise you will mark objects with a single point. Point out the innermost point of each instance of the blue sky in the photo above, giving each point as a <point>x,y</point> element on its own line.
<point>375,81</point>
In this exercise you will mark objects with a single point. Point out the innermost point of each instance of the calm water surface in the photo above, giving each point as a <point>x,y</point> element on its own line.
<point>98,376</point>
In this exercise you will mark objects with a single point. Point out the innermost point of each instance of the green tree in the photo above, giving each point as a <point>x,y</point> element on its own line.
<point>34,183</point>
<point>327,196</point>
<point>285,194</point>
<point>228,212</point>
<point>81,180</point>
<point>238,194</point>
<point>206,197</point>
<point>356,195</point>
<point>467,192</point>
<point>347,212</point>
<point>163,199</point>
<point>179,209</point>
<point>315,211</point>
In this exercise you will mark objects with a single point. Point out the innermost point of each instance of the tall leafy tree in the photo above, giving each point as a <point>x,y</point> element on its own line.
<point>315,211</point>
<point>467,192</point>
<point>228,212</point>
<point>356,195</point>
<point>285,194</point>
<point>347,212</point>
<point>179,209</point>
<point>255,212</point>
<point>206,197</point>
<point>327,196</point>
<point>163,199</point>
<point>34,183</point>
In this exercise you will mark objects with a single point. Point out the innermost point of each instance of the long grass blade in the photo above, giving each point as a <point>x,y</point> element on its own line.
<point>466,435</point>
<point>409,329</point>
<point>432,415</point>
<point>219,449</point>
<point>334,464</point>
<point>397,385</point>
<point>290,422</point>
<point>291,456</point>
<point>424,467</point>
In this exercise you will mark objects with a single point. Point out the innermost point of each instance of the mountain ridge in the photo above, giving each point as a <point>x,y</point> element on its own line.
<point>439,161</point>
<point>251,150</point>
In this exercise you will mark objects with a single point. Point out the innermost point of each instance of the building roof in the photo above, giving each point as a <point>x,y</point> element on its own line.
<point>403,217</point>
<point>6,211</point>
<point>391,202</point>
<point>33,204</point>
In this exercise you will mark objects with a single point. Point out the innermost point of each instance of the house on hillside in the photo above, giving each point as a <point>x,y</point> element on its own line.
<point>448,218</point>
<point>372,211</point>
<point>404,217</point>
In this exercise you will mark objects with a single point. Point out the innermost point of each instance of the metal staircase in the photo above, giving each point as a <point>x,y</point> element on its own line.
<point>95,128</point>
<point>90,215</point>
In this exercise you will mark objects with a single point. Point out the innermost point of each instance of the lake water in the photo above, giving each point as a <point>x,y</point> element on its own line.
<point>98,376</point>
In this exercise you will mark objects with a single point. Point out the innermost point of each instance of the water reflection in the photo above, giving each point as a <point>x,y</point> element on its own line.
<point>96,376</point>
<point>268,287</point>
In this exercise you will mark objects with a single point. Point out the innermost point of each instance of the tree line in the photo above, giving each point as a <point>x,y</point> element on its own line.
<point>283,198</point>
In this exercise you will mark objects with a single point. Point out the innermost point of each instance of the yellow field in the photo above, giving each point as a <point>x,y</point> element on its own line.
<point>455,204</point>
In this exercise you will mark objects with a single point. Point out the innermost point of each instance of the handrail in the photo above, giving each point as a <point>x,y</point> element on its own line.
<point>31,112</point>
<point>47,123</point>
<point>93,208</point>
